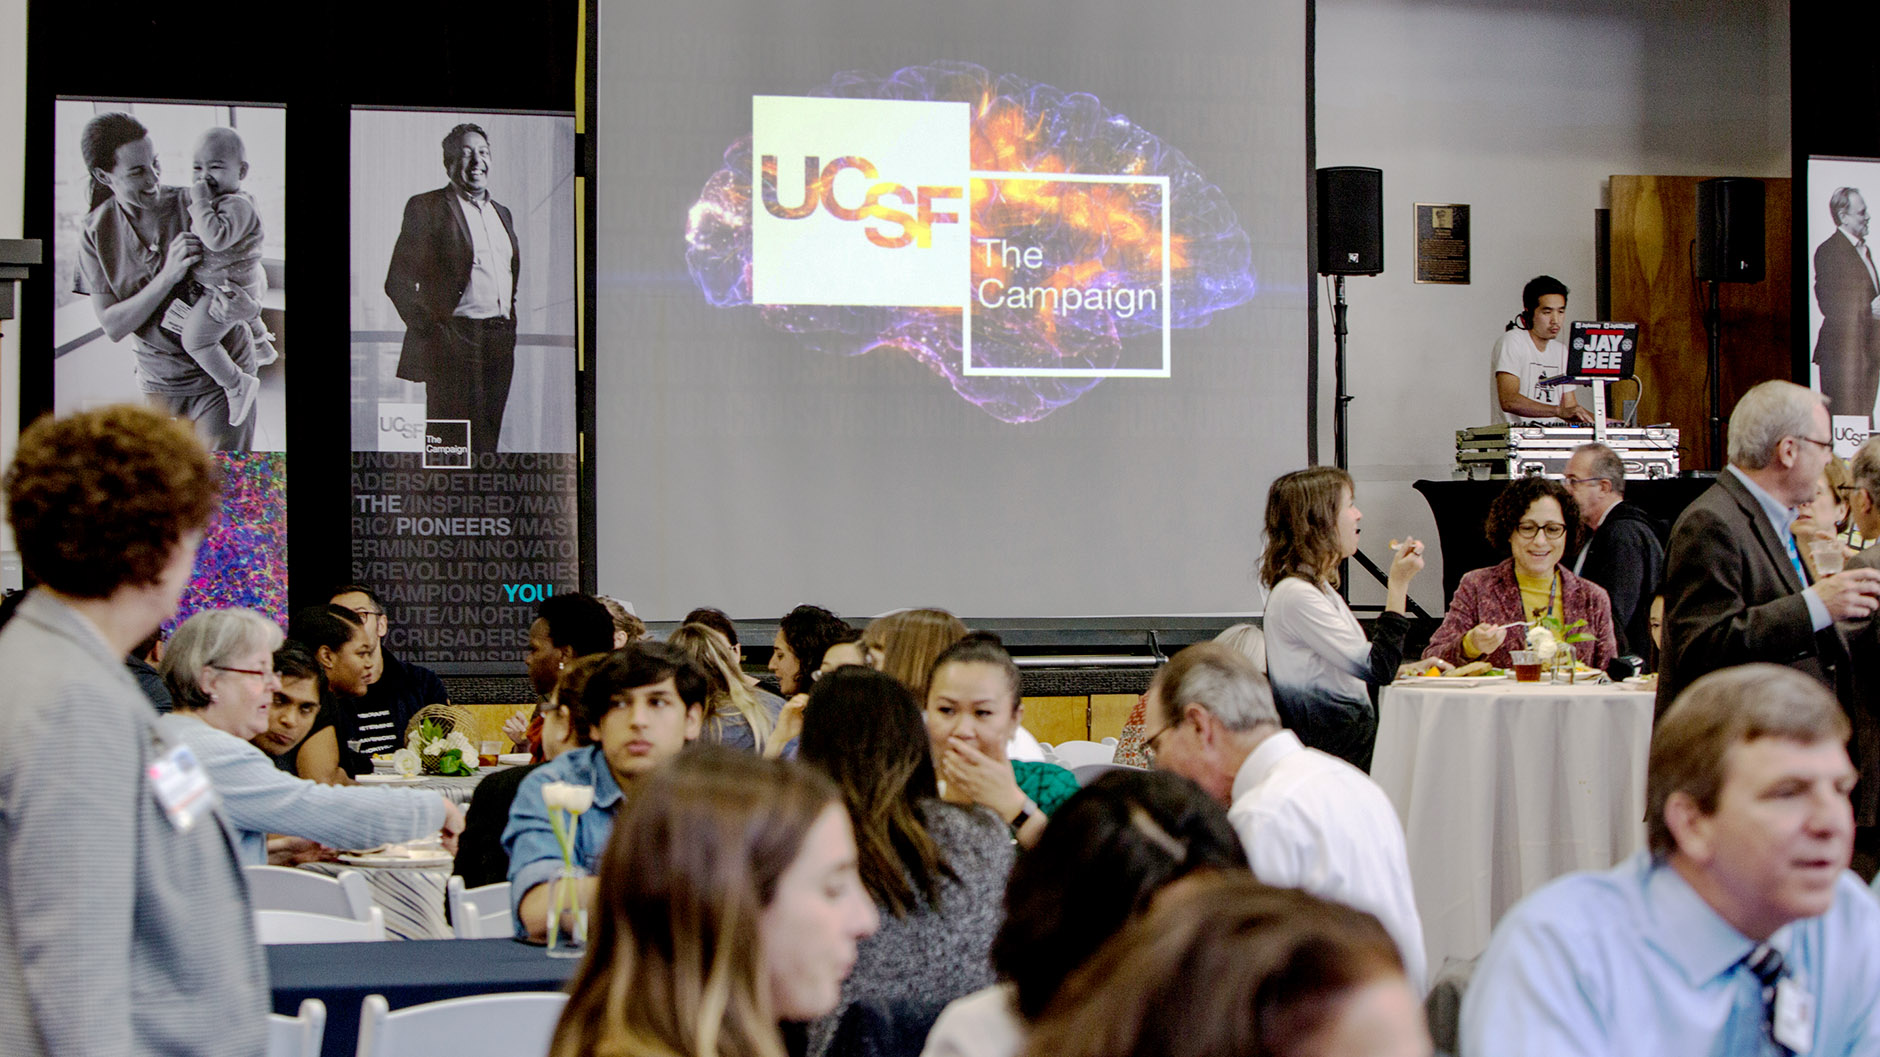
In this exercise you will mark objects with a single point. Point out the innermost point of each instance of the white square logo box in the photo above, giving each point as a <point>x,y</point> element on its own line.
<point>821,259</point>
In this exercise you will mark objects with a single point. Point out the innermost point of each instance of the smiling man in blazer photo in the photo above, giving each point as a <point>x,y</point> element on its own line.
<point>454,275</point>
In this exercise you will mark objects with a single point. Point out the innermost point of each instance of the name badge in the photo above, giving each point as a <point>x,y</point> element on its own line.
<point>175,316</point>
<point>182,787</point>
<point>1795,1016</point>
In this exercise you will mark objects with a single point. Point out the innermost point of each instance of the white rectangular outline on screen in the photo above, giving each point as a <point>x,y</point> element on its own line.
<point>966,315</point>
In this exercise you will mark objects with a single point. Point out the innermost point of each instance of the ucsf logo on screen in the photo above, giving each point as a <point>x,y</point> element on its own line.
<point>860,202</point>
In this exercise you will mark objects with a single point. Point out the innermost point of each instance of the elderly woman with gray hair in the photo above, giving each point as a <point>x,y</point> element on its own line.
<point>220,670</point>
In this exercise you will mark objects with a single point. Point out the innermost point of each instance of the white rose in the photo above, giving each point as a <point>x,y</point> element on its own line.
<point>406,763</point>
<point>577,798</point>
<point>461,742</point>
<point>435,748</point>
<point>1542,642</point>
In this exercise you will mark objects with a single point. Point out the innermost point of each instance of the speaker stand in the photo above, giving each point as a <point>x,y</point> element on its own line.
<point>1340,455</point>
<point>1713,326</point>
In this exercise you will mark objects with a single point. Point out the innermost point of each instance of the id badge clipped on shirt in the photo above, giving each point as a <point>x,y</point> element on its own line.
<point>1795,1016</point>
<point>175,314</point>
<point>182,787</point>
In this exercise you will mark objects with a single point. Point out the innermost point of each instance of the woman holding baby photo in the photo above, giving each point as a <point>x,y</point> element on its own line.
<point>136,255</point>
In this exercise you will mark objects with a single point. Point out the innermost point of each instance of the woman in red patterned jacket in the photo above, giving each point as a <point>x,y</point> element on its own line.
<point>1537,522</point>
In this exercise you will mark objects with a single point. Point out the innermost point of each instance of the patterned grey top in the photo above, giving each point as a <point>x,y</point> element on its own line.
<point>936,955</point>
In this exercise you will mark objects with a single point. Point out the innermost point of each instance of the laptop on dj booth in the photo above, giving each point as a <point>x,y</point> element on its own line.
<point>1599,352</point>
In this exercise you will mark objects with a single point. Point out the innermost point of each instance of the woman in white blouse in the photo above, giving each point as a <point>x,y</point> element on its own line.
<point>1322,668</point>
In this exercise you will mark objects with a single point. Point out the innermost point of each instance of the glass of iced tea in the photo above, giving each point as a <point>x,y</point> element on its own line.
<point>1527,666</point>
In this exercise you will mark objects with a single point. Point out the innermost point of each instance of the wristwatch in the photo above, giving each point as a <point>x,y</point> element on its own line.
<point>1024,816</point>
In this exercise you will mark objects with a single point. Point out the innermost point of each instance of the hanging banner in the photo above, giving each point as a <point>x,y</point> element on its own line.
<point>188,198</point>
<point>464,471</point>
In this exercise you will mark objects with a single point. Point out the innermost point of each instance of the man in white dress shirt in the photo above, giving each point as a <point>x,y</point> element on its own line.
<point>453,278</point>
<point>1307,819</point>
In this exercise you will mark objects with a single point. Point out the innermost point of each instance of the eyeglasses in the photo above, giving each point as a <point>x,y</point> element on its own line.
<point>1824,443</point>
<point>241,671</point>
<point>368,614</point>
<point>1148,744</point>
<point>1553,530</point>
<point>1574,482</point>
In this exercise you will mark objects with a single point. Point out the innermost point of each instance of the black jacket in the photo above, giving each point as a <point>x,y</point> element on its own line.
<point>430,268</point>
<point>1626,558</point>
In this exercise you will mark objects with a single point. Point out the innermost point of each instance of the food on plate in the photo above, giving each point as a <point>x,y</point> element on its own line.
<point>1472,668</point>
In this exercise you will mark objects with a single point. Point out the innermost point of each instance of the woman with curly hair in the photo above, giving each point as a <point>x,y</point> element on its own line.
<point>105,813</point>
<point>1536,522</point>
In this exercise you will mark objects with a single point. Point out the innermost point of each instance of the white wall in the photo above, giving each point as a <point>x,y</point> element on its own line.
<point>1522,109</point>
<point>12,184</point>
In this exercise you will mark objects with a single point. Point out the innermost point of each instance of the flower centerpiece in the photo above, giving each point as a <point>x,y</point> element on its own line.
<point>1552,641</point>
<point>440,753</point>
<point>565,803</point>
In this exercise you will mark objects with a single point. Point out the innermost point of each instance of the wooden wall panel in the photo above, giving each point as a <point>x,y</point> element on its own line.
<point>1108,713</point>
<point>1654,228</point>
<point>1055,719</point>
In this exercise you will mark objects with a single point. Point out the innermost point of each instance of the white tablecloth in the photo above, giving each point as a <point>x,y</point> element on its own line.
<point>1503,788</point>
<point>413,899</point>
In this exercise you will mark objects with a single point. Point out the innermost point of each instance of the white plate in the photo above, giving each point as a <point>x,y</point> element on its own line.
<point>425,860</point>
<point>513,759</point>
<point>387,779</point>
<point>1453,680</point>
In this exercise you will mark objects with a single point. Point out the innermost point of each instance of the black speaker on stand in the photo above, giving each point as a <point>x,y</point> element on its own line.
<point>1351,242</point>
<point>1729,250</point>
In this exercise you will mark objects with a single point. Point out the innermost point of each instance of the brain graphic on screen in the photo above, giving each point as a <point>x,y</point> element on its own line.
<point>1099,236</point>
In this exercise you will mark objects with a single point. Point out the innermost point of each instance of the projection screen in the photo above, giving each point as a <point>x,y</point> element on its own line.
<point>995,307</point>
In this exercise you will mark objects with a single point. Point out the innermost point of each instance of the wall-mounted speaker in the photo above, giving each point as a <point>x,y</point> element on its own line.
<point>1351,220</point>
<point>1730,230</point>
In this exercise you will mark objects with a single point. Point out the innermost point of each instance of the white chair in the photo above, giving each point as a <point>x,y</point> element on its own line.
<point>504,1025</point>
<point>478,913</point>
<point>293,926</point>
<point>1075,754</point>
<point>299,1036</point>
<point>1090,772</point>
<point>283,888</point>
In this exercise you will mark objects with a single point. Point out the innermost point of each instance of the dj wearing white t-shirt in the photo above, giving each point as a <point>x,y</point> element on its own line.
<point>1528,352</point>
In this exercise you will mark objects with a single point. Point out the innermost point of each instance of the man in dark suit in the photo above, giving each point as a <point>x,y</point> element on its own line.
<point>1848,290</point>
<point>1863,641</point>
<point>453,278</point>
<point>1735,589</point>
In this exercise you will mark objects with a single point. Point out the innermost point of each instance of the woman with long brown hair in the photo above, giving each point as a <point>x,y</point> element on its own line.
<point>728,900</point>
<point>1324,671</point>
<point>905,644</point>
<point>935,870</point>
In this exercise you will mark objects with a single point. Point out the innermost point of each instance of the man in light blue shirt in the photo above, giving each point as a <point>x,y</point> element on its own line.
<point>640,705</point>
<point>1739,932</point>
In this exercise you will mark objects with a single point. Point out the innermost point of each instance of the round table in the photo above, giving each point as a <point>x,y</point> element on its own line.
<point>413,898</point>
<point>1504,787</point>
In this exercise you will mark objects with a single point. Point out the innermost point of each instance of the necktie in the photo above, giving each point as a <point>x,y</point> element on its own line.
<point>1766,963</point>
<point>1795,559</point>
<point>1867,259</point>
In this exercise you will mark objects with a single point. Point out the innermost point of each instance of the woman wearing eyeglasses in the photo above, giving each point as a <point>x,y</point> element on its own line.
<point>1537,522</point>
